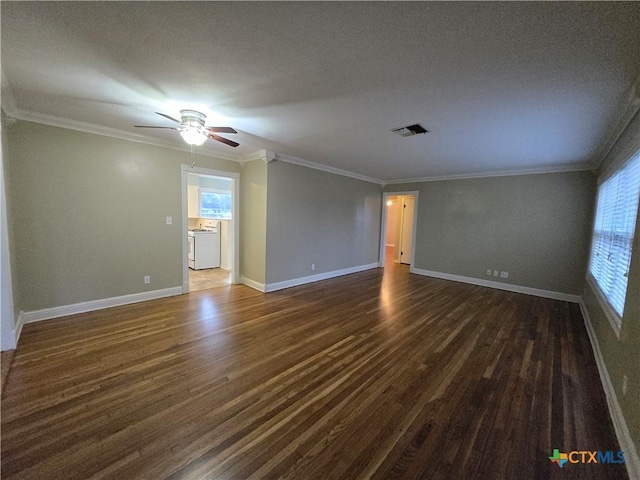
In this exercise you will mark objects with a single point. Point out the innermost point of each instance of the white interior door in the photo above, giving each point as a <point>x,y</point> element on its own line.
<point>406,232</point>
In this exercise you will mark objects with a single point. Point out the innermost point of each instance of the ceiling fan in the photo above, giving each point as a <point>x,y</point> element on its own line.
<point>193,129</point>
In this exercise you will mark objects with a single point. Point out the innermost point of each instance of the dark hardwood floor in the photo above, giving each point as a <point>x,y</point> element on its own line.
<point>368,375</point>
<point>6,358</point>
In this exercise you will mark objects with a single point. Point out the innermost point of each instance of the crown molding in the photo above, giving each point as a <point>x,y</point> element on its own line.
<point>325,168</point>
<point>502,173</point>
<point>628,110</point>
<point>267,156</point>
<point>85,127</point>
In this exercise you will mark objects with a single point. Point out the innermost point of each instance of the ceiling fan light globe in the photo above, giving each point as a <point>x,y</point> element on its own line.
<point>193,136</point>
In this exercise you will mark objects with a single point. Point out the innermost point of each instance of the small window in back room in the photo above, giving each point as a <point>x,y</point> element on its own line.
<point>215,204</point>
<point>613,230</point>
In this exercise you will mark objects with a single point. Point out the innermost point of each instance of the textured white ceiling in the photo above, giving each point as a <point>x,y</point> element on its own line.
<point>500,86</point>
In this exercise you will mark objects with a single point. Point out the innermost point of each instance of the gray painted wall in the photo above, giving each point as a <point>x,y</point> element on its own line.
<point>319,217</point>
<point>253,220</point>
<point>622,355</point>
<point>536,227</point>
<point>87,215</point>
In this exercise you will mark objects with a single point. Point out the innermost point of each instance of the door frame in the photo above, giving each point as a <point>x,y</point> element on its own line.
<point>406,222</point>
<point>383,226</point>
<point>235,214</point>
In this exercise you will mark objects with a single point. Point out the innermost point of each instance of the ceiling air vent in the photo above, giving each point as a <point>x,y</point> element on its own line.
<point>409,131</point>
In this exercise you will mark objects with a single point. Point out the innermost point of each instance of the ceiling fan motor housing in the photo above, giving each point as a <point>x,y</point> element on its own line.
<point>191,118</point>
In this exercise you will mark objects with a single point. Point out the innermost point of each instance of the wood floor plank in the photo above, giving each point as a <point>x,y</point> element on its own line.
<point>380,374</point>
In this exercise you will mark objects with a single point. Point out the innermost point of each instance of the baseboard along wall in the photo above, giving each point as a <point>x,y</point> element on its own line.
<point>92,305</point>
<point>632,460</point>
<point>536,292</point>
<point>294,282</point>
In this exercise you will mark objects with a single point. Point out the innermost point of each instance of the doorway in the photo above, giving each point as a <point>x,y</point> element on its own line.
<point>210,218</point>
<point>399,222</point>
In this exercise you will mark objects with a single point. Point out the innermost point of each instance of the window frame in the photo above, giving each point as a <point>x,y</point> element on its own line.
<point>202,190</point>
<point>610,312</point>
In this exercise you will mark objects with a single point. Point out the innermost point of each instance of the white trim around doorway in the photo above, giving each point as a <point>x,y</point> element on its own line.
<point>235,214</point>
<point>383,226</point>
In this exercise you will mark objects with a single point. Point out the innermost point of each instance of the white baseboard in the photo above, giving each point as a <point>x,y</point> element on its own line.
<point>566,297</point>
<point>64,310</point>
<point>17,329</point>
<point>632,460</point>
<point>253,284</point>
<point>272,287</point>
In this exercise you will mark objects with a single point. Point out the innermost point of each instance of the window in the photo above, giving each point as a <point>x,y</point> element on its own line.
<point>215,204</point>
<point>616,212</point>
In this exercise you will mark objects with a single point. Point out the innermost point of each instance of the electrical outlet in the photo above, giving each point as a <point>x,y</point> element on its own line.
<point>625,381</point>
<point>495,273</point>
<point>147,279</point>
<point>169,220</point>
<point>504,274</point>
<point>489,271</point>
<point>313,266</point>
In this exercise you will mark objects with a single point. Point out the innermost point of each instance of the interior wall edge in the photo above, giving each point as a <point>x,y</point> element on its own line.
<point>17,329</point>
<point>7,307</point>
<point>253,284</point>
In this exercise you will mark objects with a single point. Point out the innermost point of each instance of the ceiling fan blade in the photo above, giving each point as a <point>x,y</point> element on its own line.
<point>168,117</point>
<point>151,126</point>
<point>221,129</point>
<point>226,141</point>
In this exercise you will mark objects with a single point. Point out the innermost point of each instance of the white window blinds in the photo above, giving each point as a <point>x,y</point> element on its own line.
<point>615,221</point>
